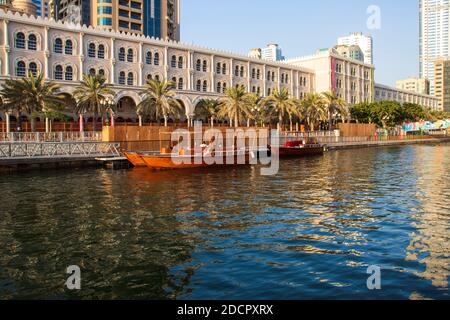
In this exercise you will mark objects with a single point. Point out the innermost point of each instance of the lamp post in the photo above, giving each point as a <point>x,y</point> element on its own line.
<point>107,104</point>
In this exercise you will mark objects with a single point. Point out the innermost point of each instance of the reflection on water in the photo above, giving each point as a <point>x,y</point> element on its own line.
<point>309,232</point>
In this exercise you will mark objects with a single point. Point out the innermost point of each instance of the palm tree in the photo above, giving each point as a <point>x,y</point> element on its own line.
<point>334,104</point>
<point>235,105</point>
<point>209,108</point>
<point>281,104</point>
<point>31,95</point>
<point>89,95</point>
<point>159,100</point>
<point>258,112</point>
<point>314,109</point>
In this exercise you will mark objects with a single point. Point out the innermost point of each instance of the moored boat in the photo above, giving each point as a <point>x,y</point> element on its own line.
<point>299,149</point>
<point>135,159</point>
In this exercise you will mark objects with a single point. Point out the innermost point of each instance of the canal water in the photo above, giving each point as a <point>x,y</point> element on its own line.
<point>309,232</point>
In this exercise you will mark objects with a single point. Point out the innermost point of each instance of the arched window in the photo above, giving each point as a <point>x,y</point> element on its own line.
<point>273,76</point>
<point>92,71</point>
<point>219,87</point>
<point>69,73</point>
<point>258,91</point>
<point>258,74</point>
<point>205,86</point>
<point>282,78</point>
<point>224,68</point>
<point>149,77</point>
<point>253,73</point>
<point>32,42</point>
<point>101,72</point>
<point>58,74</point>
<point>180,84</point>
<point>21,69</point>
<point>122,54</point>
<point>148,57</point>
<point>253,89</point>
<point>205,66</point>
<point>198,65</point>
<point>268,75</point>
<point>91,50</point>
<point>20,40</point>
<point>57,48</point>
<point>180,63</point>
<point>32,68</point>
<point>199,85</point>
<point>236,71</point>
<point>157,77</point>
<point>101,51</point>
<point>130,79</point>
<point>130,55</point>
<point>69,47</point>
<point>286,78</point>
<point>174,62</point>
<point>224,87</point>
<point>242,72</point>
<point>122,78</point>
<point>218,68</point>
<point>174,83</point>
<point>156,59</point>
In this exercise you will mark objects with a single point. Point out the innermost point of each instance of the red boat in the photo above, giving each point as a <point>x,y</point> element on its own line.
<point>299,149</point>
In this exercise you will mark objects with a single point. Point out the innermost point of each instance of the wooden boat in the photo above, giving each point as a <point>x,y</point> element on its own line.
<point>135,159</point>
<point>182,161</point>
<point>299,149</point>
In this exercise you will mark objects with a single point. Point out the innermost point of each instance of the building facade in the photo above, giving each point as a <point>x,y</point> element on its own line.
<point>74,11</point>
<point>155,18</point>
<point>272,53</point>
<point>433,36</point>
<point>383,93</point>
<point>64,53</point>
<point>414,84</point>
<point>442,83</point>
<point>350,79</point>
<point>365,42</point>
<point>352,52</point>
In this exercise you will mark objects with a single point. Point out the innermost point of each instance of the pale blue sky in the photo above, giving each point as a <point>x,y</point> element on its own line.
<point>302,26</point>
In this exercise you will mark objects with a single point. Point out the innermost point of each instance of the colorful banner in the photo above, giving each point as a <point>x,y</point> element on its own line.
<point>426,125</point>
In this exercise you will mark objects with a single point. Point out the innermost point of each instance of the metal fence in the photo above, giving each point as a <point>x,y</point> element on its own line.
<point>30,150</point>
<point>50,137</point>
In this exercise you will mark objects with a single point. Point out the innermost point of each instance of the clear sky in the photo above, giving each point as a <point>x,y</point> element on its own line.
<point>302,26</point>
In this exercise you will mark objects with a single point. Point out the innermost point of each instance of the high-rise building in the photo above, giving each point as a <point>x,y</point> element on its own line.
<point>353,52</point>
<point>155,18</point>
<point>442,83</point>
<point>75,11</point>
<point>433,35</point>
<point>414,84</point>
<point>365,42</point>
<point>272,53</point>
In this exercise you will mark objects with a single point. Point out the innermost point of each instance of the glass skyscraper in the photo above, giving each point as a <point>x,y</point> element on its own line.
<point>152,18</point>
<point>433,36</point>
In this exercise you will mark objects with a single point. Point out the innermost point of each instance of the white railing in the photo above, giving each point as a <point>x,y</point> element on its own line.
<point>33,150</point>
<point>50,137</point>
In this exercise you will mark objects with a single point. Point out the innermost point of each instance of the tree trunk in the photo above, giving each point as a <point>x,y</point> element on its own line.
<point>47,125</point>
<point>236,122</point>
<point>8,126</point>
<point>212,122</point>
<point>140,121</point>
<point>19,122</point>
<point>330,120</point>
<point>165,121</point>
<point>94,123</point>
<point>33,124</point>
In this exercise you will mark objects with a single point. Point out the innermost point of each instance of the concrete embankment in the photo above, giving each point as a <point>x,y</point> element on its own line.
<point>369,144</point>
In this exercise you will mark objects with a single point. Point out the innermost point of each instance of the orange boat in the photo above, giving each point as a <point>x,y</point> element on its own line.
<point>168,161</point>
<point>135,159</point>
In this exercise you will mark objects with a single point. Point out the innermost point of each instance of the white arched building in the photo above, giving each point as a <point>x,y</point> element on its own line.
<point>63,52</point>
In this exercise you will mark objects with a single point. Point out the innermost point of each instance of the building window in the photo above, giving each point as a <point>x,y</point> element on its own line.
<point>224,88</point>
<point>32,42</point>
<point>218,68</point>
<point>268,75</point>
<point>101,52</point>
<point>258,74</point>
<point>69,47</point>
<point>69,73</point>
<point>130,55</point>
<point>199,85</point>
<point>205,86</point>
<point>156,59</point>
<point>91,50</point>
<point>20,41</point>
<point>224,68</point>
<point>286,78</point>
<point>104,21</point>
<point>148,58</point>
<point>122,78</point>
<point>149,77</point>
<point>58,46</point>
<point>157,78</point>
<point>122,54</point>
<point>236,71</point>
<point>219,87</point>
<point>174,62</point>
<point>253,73</point>
<point>273,76</point>
<point>205,66</point>
<point>130,79</point>
<point>198,65</point>
<point>32,68</point>
<point>282,78</point>
<point>20,69</point>
<point>180,63</point>
<point>101,72</point>
<point>58,74</point>
<point>180,84</point>
<point>92,72</point>
<point>242,72</point>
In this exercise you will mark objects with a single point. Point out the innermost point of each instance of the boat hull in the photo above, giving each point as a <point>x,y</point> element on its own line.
<point>135,159</point>
<point>300,152</point>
